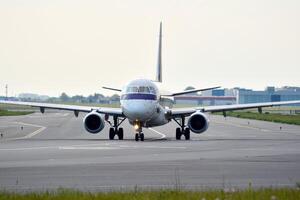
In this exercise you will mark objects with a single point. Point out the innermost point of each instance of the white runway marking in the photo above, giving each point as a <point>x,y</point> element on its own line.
<point>25,148</point>
<point>87,148</point>
<point>92,147</point>
<point>41,128</point>
<point>161,134</point>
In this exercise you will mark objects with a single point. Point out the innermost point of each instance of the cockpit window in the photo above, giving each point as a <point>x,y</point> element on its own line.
<point>132,89</point>
<point>152,90</point>
<point>141,89</point>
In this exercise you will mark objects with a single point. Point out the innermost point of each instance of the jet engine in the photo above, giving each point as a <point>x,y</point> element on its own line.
<point>93,122</point>
<point>198,122</point>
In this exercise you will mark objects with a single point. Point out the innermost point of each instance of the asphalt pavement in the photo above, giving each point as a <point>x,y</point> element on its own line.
<point>52,150</point>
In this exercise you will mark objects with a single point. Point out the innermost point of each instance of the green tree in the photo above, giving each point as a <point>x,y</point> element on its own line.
<point>64,97</point>
<point>189,88</point>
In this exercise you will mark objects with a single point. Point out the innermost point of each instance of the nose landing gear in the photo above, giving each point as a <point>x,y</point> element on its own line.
<point>139,135</point>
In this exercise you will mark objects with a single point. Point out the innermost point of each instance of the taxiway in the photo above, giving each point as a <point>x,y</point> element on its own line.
<point>52,150</point>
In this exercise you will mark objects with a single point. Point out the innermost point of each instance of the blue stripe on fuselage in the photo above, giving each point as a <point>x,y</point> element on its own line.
<point>139,96</point>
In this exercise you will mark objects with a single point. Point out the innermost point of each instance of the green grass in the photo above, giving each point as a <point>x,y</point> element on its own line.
<point>15,107</point>
<point>29,108</point>
<point>115,105</point>
<point>280,118</point>
<point>260,194</point>
<point>14,113</point>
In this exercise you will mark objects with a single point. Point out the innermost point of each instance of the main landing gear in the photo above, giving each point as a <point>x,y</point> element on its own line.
<point>114,130</point>
<point>182,130</point>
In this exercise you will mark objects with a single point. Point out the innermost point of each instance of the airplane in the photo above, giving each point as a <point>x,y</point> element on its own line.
<point>145,104</point>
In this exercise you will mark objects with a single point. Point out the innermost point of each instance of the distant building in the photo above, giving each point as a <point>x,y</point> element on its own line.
<point>270,94</point>
<point>33,97</point>
<point>220,92</point>
<point>240,96</point>
<point>205,100</point>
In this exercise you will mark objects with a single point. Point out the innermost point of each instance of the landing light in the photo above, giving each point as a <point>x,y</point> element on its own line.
<point>136,126</point>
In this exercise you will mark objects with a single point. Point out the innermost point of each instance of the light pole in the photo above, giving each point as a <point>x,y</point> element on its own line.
<point>6,91</point>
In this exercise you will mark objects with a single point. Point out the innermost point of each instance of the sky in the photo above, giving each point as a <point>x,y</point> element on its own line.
<point>72,46</point>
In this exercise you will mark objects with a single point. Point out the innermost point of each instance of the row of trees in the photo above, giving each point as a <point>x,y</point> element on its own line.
<point>95,98</point>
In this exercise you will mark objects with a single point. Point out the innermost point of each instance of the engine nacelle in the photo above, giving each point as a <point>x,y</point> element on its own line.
<point>93,122</point>
<point>198,122</point>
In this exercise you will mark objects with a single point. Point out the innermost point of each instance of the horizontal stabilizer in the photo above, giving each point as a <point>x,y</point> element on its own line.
<point>191,91</point>
<point>114,89</point>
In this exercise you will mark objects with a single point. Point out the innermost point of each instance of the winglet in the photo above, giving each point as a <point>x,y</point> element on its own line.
<point>159,62</point>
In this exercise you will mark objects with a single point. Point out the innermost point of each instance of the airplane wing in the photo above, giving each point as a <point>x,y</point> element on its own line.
<point>75,108</point>
<point>189,91</point>
<point>188,111</point>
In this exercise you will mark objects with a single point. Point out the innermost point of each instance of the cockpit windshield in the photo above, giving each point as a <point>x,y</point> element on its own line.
<point>132,89</point>
<point>141,89</point>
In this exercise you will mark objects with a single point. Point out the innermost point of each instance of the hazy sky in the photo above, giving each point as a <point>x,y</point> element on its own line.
<point>55,46</point>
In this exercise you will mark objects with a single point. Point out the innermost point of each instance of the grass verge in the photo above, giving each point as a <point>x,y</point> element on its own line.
<point>14,113</point>
<point>286,119</point>
<point>260,194</point>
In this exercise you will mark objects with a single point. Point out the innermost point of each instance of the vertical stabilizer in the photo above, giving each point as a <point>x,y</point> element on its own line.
<point>159,63</point>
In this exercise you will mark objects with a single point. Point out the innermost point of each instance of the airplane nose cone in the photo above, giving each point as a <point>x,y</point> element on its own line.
<point>139,110</point>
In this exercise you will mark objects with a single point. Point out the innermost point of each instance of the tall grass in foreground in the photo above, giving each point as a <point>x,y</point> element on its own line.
<point>260,194</point>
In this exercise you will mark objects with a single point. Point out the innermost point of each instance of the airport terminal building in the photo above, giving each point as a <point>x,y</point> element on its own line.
<point>240,96</point>
<point>270,94</point>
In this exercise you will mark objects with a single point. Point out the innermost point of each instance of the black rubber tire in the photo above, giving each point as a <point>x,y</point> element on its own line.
<point>136,137</point>
<point>142,136</point>
<point>120,133</point>
<point>187,134</point>
<point>111,133</point>
<point>178,134</point>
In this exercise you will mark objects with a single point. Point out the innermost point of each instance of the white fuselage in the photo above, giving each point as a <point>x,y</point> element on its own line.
<point>141,102</point>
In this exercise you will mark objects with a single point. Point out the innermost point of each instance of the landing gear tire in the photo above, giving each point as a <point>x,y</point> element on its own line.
<point>114,130</point>
<point>111,133</point>
<point>120,133</point>
<point>182,130</point>
<point>136,137</point>
<point>142,136</point>
<point>187,134</point>
<point>178,134</point>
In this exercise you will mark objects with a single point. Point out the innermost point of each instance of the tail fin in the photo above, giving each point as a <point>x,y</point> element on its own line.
<point>159,63</point>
